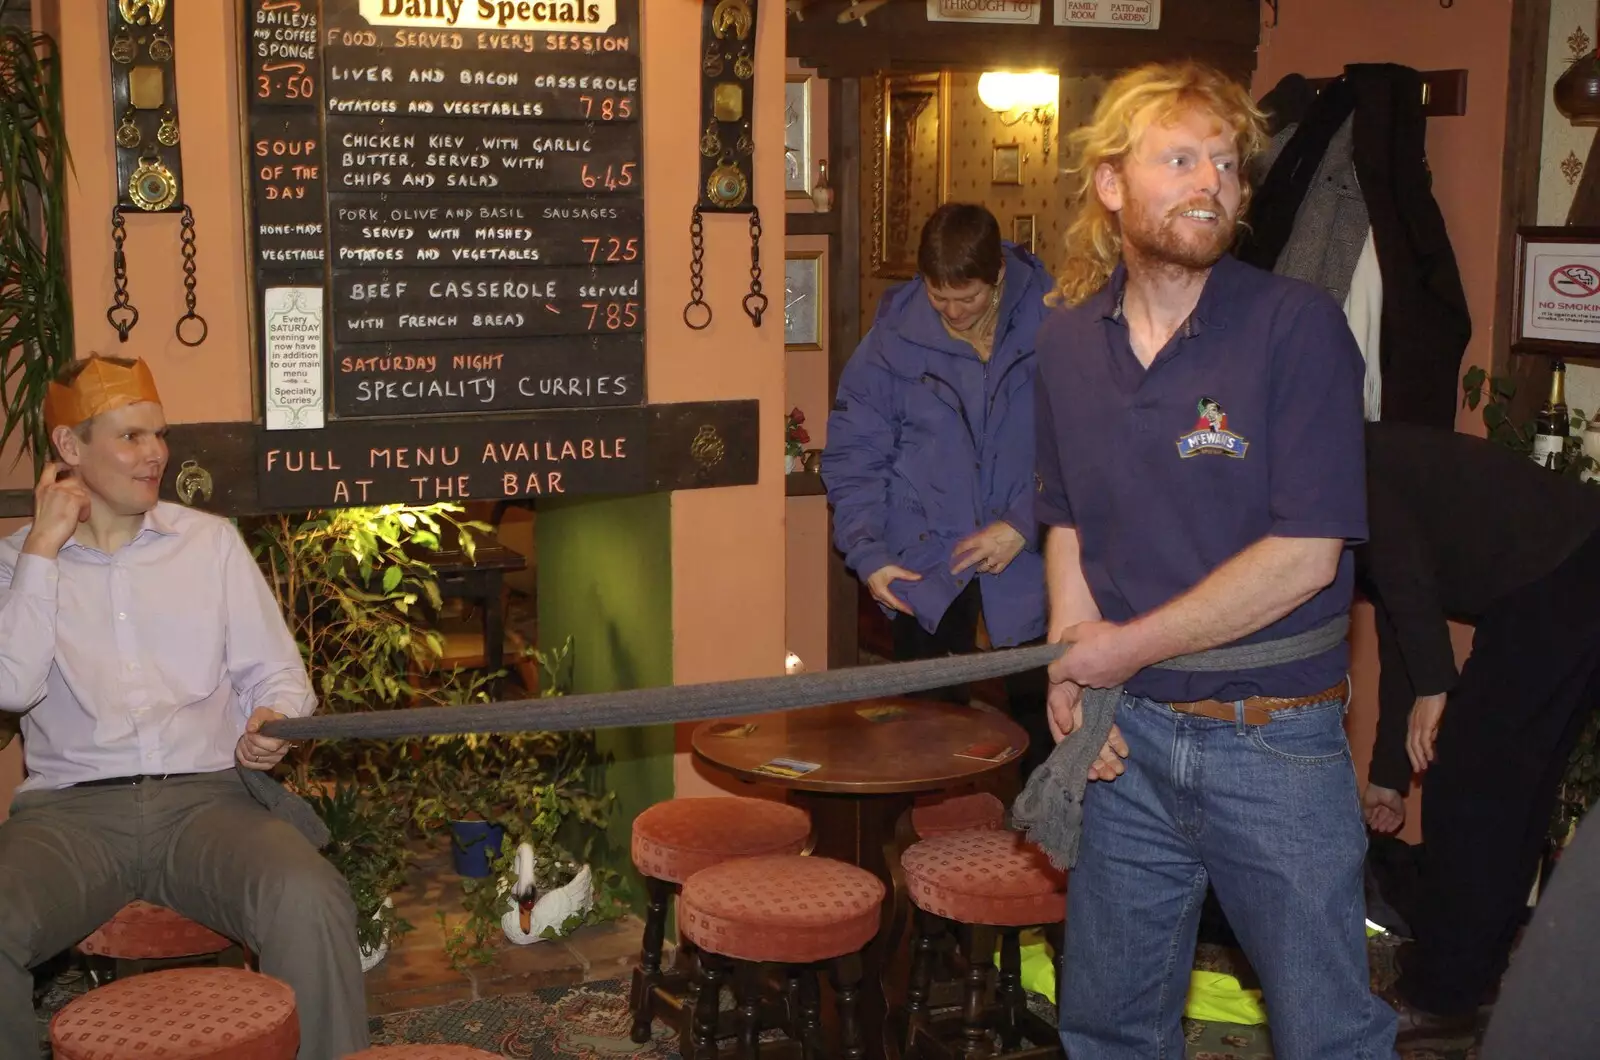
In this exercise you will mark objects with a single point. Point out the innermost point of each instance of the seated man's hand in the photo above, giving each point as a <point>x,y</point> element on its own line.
<point>256,751</point>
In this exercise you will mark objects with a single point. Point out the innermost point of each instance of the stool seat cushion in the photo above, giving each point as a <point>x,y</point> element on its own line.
<point>422,1052</point>
<point>985,877</point>
<point>782,908</point>
<point>963,813</point>
<point>142,931</point>
<point>675,839</point>
<point>182,1014</point>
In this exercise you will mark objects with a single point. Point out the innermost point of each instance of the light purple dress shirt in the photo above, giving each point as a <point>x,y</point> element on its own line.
<point>148,661</point>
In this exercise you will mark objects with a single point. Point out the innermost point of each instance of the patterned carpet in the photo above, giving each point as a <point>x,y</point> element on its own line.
<point>591,1022</point>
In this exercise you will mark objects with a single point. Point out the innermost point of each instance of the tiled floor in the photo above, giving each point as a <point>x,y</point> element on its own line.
<point>417,974</point>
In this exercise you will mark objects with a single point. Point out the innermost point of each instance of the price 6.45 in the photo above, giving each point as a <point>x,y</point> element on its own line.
<point>613,178</point>
<point>612,316</point>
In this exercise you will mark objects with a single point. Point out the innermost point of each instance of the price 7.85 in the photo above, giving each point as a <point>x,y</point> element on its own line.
<point>612,316</point>
<point>610,108</point>
<point>612,179</point>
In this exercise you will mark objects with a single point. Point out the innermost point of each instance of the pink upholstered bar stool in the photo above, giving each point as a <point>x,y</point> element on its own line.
<point>422,1052</point>
<point>799,912</point>
<point>142,932</point>
<point>672,841</point>
<point>979,811</point>
<point>181,1014</point>
<point>983,881</point>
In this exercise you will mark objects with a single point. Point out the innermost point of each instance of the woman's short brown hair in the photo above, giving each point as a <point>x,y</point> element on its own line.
<point>960,243</point>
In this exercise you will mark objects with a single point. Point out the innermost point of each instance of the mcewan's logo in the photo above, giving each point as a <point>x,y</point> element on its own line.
<point>1211,434</point>
<point>580,16</point>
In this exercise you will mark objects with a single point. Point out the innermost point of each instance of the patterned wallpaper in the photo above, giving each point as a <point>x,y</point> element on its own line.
<point>974,132</point>
<point>1563,149</point>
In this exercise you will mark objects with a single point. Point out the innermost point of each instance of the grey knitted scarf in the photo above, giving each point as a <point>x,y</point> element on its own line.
<point>1050,808</point>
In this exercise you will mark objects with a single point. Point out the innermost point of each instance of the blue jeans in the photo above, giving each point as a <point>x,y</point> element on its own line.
<point>1270,815</point>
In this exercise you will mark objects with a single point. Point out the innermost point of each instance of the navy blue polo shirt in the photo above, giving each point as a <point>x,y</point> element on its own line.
<point>1248,423</point>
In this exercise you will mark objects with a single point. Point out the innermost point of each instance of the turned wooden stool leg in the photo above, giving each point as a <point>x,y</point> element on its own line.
<point>648,974</point>
<point>748,974</point>
<point>812,1047</point>
<point>1009,989</point>
<point>974,1030</point>
<point>707,1004</point>
<point>923,955</point>
<point>846,975</point>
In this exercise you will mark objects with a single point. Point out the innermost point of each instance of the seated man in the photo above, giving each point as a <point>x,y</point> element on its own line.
<point>1460,527</point>
<point>141,645</point>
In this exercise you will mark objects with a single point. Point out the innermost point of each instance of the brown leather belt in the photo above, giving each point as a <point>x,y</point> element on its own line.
<point>1258,710</point>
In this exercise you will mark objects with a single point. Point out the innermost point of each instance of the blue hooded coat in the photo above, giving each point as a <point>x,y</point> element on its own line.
<point>927,444</point>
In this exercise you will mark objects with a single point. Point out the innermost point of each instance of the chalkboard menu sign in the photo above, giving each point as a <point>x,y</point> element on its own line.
<point>447,219</point>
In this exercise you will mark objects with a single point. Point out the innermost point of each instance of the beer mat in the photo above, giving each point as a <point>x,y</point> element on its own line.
<point>730,730</point>
<point>789,768</point>
<point>882,714</point>
<point>987,752</point>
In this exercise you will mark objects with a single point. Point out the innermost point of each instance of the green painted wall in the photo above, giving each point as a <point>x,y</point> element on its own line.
<point>605,579</point>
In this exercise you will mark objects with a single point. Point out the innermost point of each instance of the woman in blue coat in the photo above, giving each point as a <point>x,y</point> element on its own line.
<point>929,462</point>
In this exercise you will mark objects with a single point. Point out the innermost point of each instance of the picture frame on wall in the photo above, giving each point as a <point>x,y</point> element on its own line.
<point>911,165</point>
<point>1557,291</point>
<point>1007,164</point>
<point>802,300</point>
<point>1022,231</point>
<point>797,164</point>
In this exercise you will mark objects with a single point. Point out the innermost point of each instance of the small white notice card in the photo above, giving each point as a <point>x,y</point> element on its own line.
<point>293,319</point>
<point>1114,14</point>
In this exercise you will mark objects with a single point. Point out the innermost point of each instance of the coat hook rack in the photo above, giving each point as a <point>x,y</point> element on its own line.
<point>1444,92</point>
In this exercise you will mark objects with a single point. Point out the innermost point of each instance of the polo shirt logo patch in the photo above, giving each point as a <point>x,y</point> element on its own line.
<point>1211,435</point>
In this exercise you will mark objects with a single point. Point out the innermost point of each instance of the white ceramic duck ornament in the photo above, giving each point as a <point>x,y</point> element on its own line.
<point>529,913</point>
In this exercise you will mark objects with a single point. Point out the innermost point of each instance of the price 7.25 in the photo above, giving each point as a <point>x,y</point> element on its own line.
<point>613,316</point>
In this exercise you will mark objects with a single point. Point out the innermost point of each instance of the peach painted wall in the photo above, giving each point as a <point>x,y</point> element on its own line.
<point>728,544</point>
<point>1317,38</point>
<point>211,382</point>
<point>806,518</point>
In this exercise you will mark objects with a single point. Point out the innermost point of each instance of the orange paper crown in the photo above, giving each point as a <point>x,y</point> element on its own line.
<point>100,387</point>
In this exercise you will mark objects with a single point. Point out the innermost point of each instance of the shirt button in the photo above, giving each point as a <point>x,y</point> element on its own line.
<point>122,615</point>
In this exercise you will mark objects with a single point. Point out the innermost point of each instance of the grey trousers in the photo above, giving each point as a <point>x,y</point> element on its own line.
<point>201,846</point>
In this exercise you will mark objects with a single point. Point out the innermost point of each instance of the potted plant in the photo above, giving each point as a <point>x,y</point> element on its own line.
<point>367,845</point>
<point>35,299</point>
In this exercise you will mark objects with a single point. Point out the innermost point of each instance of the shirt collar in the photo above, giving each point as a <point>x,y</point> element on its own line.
<point>1210,312</point>
<point>155,522</point>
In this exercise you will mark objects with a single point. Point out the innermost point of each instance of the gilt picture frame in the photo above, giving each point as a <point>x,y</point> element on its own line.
<point>910,165</point>
<point>803,298</point>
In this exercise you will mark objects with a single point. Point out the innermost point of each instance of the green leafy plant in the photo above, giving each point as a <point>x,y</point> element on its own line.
<point>363,829</point>
<point>35,301</point>
<point>542,788</point>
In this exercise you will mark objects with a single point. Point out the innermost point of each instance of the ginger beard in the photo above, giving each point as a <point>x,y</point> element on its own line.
<point>1192,235</point>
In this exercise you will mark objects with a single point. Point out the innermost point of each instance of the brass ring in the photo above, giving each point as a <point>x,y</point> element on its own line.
<point>703,324</point>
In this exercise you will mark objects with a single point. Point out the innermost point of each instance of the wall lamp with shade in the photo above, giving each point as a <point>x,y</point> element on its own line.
<point>1029,97</point>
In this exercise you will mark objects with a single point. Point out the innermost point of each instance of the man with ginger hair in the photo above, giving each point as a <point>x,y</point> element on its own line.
<point>1200,470</point>
<point>143,650</point>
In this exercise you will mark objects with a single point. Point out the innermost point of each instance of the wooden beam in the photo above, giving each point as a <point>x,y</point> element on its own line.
<point>1519,187</point>
<point>811,224</point>
<point>898,36</point>
<point>844,328</point>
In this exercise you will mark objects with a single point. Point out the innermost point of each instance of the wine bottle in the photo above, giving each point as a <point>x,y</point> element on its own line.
<point>1551,427</point>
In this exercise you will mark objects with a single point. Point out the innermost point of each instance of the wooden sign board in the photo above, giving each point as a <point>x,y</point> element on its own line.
<point>463,192</point>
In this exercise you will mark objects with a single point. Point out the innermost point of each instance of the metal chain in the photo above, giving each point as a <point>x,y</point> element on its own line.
<point>697,273</point>
<point>187,239</point>
<point>122,315</point>
<point>755,303</point>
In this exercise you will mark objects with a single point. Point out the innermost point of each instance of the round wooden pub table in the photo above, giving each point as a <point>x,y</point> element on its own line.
<point>872,758</point>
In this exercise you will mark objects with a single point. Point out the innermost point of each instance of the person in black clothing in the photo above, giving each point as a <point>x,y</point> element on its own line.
<point>1463,528</point>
